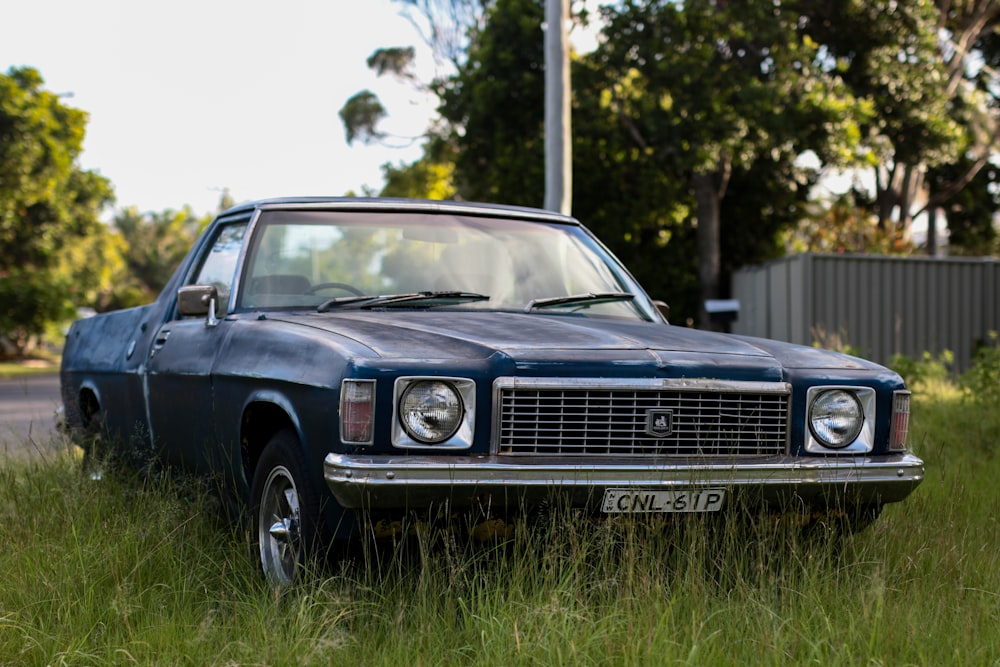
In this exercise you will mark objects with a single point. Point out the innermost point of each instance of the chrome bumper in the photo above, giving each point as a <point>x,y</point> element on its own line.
<point>394,482</point>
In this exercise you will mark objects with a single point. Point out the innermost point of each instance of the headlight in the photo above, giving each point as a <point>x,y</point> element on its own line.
<point>836,418</point>
<point>430,411</point>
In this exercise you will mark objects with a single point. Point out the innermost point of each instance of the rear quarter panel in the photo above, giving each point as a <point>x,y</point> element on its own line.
<point>103,355</point>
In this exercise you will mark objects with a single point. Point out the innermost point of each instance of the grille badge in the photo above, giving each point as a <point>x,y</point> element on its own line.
<point>659,423</point>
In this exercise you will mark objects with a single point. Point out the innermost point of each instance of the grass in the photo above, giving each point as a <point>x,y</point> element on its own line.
<point>12,369</point>
<point>40,361</point>
<point>117,572</point>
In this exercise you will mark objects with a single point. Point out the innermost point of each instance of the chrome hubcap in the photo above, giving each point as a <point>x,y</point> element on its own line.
<point>279,527</point>
<point>282,531</point>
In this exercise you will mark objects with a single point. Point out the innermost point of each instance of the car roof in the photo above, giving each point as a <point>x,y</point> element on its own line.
<point>386,204</point>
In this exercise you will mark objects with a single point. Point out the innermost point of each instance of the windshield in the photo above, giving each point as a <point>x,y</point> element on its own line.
<point>313,259</point>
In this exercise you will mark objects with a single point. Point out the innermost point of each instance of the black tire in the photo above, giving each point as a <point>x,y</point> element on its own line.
<point>286,527</point>
<point>99,455</point>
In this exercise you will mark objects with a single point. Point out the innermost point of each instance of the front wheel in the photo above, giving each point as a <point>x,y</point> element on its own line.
<point>285,510</point>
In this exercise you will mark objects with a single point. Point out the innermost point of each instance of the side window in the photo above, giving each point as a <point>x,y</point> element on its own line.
<point>219,265</point>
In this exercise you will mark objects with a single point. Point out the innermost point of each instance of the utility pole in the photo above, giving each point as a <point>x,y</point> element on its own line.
<point>558,146</point>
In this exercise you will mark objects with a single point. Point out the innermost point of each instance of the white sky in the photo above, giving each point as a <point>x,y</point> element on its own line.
<point>189,97</point>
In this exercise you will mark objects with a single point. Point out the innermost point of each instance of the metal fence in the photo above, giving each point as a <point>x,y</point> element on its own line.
<point>878,305</point>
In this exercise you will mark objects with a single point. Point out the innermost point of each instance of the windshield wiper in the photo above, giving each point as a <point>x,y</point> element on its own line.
<point>412,298</point>
<point>338,301</point>
<point>574,299</point>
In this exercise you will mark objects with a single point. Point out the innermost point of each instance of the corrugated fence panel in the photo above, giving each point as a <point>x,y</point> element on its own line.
<point>760,291</point>
<point>799,282</point>
<point>753,301</point>
<point>879,305</point>
<point>779,319</point>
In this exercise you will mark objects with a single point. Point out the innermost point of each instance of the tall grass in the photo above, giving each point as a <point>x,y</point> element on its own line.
<point>120,572</point>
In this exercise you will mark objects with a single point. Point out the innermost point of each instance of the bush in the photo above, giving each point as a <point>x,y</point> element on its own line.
<point>925,370</point>
<point>31,300</point>
<point>982,380</point>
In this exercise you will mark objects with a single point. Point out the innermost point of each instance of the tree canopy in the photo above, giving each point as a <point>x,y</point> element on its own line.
<point>691,120</point>
<point>710,88</point>
<point>56,255</point>
<point>46,203</point>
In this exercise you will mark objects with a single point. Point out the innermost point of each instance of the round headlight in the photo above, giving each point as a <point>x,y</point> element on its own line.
<point>430,411</point>
<point>836,418</point>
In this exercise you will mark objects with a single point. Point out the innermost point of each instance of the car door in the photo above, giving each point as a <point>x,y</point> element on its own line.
<point>178,380</point>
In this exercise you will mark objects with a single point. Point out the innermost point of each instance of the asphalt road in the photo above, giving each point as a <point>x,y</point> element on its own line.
<point>27,415</point>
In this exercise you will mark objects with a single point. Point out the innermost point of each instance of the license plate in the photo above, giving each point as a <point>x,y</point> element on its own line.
<point>638,501</point>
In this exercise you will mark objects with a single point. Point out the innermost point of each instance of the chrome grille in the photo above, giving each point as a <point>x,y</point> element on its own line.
<point>602,418</point>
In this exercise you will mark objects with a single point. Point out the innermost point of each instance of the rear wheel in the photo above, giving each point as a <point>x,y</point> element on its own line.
<point>285,510</point>
<point>98,454</point>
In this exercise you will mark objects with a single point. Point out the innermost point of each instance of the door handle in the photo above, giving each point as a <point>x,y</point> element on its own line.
<point>160,340</point>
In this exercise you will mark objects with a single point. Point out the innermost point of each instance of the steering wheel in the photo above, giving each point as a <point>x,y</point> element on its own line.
<point>344,286</point>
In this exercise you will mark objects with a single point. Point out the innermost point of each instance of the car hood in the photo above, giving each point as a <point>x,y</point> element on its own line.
<point>533,339</point>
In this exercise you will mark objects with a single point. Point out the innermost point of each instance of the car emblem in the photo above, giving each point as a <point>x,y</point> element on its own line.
<point>659,423</point>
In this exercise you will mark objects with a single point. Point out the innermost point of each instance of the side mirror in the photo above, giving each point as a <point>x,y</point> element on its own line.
<point>198,301</point>
<point>663,308</point>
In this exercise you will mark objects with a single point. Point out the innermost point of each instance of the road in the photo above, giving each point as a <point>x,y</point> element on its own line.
<point>27,415</point>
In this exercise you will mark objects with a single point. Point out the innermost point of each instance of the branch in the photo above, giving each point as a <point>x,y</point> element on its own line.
<point>971,29</point>
<point>630,127</point>
<point>958,184</point>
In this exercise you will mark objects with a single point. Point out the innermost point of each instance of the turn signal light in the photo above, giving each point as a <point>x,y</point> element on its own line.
<point>357,412</point>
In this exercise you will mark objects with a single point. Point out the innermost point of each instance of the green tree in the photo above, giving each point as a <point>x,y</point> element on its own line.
<point>495,105</point>
<point>95,269</point>
<point>968,190</point>
<point>710,88</point>
<point>154,245</point>
<point>972,210</point>
<point>426,178</point>
<point>638,207</point>
<point>633,192</point>
<point>46,202</point>
<point>915,62</point>
<point>363,112</point>
<point>690,117</point>
<point>361,115</point>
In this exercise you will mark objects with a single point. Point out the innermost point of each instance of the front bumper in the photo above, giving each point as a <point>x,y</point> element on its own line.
<point>396,482</point>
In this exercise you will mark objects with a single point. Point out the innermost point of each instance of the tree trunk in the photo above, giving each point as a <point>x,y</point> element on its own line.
<point>896,196</point>
<point>932,231</point>
<point>708,196</point>
<point>886,189</point>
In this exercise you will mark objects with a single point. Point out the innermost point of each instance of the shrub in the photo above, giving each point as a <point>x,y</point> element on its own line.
<point>926,369</point>
<point>982,380</point>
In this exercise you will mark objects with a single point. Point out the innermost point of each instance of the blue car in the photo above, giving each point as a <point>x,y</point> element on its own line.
<point>331,360</point>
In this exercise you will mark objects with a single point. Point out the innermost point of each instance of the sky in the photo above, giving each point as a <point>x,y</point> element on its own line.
<point>193,97</point>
